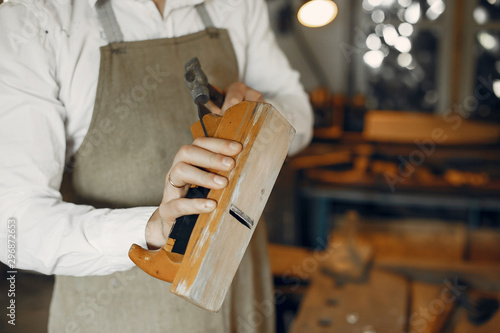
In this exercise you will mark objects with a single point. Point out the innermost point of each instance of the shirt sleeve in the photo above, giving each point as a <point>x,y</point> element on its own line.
<point>51,236</point>
<point>268,70</point>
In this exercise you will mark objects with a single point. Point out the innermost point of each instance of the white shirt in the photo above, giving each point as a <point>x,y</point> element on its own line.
<point>49,65</point>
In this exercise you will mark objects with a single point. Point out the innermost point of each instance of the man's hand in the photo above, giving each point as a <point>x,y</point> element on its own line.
<point>212,153</point>
<point>237,92</point>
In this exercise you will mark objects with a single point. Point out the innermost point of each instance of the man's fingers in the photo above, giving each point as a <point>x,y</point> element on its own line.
<point>204,159</point>
<point>208,153</point>
<point>173,209</point>
<point>213,108</point>
<point>183,174</point>
<point>217,145</point>
<point>254,96</point>
<point>213,145</point>
<point>235,93</point>
<point>239,92</point>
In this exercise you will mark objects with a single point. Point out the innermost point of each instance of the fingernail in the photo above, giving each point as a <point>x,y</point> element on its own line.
<point>210,204</point>
<point>227,161</point>
<point>219,180</point>
<point>234,145</point>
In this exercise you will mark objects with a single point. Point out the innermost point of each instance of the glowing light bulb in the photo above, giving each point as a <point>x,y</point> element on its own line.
<point>404,59</point>
<point>412,14</point>
<point>373,58</point>
<point>402,44</point>
<point>390,34</point>
<point>405,29</point>
<point>317,13</point>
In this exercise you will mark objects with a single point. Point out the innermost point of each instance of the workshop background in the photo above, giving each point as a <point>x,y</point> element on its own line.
<point>389,221</point>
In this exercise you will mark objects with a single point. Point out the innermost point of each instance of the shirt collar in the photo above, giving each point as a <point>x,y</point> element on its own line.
<point>173,4</point>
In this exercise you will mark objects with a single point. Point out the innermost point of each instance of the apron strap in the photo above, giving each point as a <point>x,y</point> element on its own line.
<point>108,21</point>
<point>205,17</point>
<point>112,29</point>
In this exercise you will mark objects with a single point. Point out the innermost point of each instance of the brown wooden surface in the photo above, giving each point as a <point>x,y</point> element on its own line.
<point>430,310</point>
<point>483,276</point>
<point>421,295</point>
<point>430,255</point>
<point>406,242</point>
<point>413,238</point>
<point>324,159</point>
<point>381,304</point>
<point>453,169</point>
<point>483,246</point>
<point>218,241</point>
<point>333,132</point>
<point>463,325</point>
<point>211,122</point>
<point>350,256</point>
<point>407,127</point>
<point>332,106</point>
<point>288,260</point>
<point>161,264</point>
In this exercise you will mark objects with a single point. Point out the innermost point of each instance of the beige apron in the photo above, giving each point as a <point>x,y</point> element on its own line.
<point>143,112</point>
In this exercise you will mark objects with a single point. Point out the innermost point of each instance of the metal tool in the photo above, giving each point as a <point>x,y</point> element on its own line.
<point>201,91</point>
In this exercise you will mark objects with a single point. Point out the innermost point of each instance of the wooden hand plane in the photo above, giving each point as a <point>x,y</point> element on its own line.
<point>202,270</point>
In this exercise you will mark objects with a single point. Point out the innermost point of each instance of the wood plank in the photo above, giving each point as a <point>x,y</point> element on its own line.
<point>430,310</point>
<point>351,308</point>
<point>211,122</point>
<point>412,238</point>
<point>398,239</point>
<point>482,276</point>
<point>485,276</point>
<point>289,260</point>
<point>483,245</point>
<point>324,159</point>
<point>407,127</point>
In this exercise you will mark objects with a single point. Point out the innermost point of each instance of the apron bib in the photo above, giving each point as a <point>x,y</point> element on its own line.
<point>142,116</point>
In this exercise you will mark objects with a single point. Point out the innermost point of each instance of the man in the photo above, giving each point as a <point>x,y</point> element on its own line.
<point>95,87</point>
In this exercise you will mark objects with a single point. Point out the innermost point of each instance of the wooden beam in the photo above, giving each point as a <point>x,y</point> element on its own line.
<point>482,276</point>
<point>430,310</point>
<point>288,261</point>
<point>411,127</point>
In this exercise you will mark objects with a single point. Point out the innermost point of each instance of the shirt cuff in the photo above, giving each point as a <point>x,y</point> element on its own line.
<point>123,228</point>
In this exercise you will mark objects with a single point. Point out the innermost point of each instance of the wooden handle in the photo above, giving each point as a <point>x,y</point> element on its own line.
<point>164,264</point>
<point>211,122</point>
<point>161,264</point>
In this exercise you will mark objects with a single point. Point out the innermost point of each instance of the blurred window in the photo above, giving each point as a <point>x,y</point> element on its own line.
<point>431,56</point>
<point>401,57</point>
<point>486,11</point>
<point>484,43</point>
